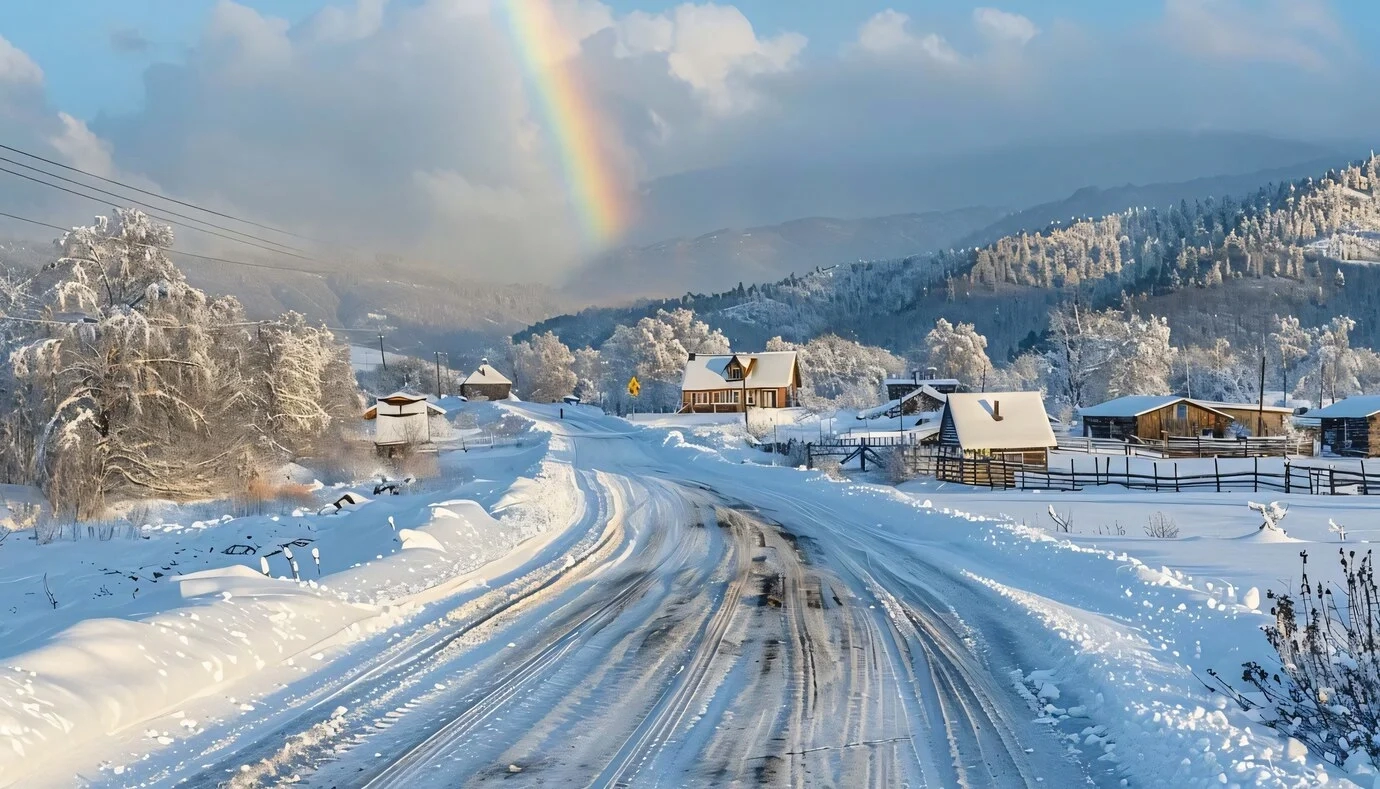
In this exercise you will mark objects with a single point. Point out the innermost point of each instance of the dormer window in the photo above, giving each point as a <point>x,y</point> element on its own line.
<point>735,371</point>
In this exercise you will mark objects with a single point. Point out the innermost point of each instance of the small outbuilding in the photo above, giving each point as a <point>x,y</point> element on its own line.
<point>486,383</point>
<point>402,419</point>
<point>1351,426</point>
<point>1153,418</point>
<point>978,427</point>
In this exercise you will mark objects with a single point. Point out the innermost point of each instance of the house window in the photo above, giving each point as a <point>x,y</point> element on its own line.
<point>1181,411</point>
<point>752,397</point>
<point>717,395</point>
<point>735,372</point>
<point>736,394</point>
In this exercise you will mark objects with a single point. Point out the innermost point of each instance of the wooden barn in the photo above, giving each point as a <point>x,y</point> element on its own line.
<point>978,431</point>
<point>486,383</point>
<point>1351,426</point>
<point>401,420</point>
<point>1271,420</point>
<point>725,383</point>
<point>1153,418</point>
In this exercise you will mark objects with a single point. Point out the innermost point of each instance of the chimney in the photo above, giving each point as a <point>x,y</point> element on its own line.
<point>692,356</point>
<point>996,410</point>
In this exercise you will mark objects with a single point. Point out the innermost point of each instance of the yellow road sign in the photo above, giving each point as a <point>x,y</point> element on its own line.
<point>634,386</point>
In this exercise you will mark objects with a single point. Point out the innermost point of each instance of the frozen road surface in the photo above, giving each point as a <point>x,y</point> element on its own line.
<point>685,632</point>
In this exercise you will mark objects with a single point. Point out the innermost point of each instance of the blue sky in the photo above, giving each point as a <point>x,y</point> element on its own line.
<point>422,130</point>
<point>86,74</point>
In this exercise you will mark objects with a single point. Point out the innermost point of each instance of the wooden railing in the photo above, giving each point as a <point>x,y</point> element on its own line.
<point>1192,447</point>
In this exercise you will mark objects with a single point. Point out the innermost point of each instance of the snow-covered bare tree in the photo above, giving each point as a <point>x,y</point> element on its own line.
<point>131,381</point>
<point>589,374</point>
<point>543,368</point>
<point>1096,355</point>
<point>656,349</point>
<point>1292,343</point>
<point>840,373</point>
<point>958,352</point>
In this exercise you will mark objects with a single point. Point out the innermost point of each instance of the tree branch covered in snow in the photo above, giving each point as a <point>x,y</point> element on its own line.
<point>124,379</point>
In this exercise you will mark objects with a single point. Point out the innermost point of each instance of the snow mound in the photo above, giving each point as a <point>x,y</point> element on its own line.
<point>412,539</point>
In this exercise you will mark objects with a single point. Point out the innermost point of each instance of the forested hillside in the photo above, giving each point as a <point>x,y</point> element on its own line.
<point>1303,247</point>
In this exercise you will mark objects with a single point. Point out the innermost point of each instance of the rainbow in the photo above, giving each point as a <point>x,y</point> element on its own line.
<point>572,121</point>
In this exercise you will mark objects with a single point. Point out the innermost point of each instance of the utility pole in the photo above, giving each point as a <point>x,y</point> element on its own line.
<point>1260,415</point>
<point>438,375</point>
<point>383,357</point>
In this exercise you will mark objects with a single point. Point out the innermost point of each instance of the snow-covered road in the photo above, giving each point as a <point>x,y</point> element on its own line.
<point>687,630</point>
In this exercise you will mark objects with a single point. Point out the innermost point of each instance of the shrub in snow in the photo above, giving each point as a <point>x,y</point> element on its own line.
<point>1337,529</point>
<point>1162,527</point>
<point>1326,690</point>
<point>1062,523</point>
<point>1273,513</point>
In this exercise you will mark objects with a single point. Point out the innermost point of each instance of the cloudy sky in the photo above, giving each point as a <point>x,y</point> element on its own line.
<point>511,138</point>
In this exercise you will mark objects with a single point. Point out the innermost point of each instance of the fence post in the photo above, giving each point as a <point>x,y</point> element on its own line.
<point>1332,481</point>
<point>809,455</point>
<point>1286,475</point>
<point>1176,476</point>
<point>1156,465</point>
<point>1365,489</point>
<point>1128,468</point>
<point>1255,475</point>
<point>1217,472</point>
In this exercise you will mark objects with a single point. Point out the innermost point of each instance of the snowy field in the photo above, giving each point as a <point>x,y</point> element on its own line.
<point>557,612</point>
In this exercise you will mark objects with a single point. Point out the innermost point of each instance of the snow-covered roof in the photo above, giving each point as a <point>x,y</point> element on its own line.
<point>1357,407</point>
<point>402,396</point>
<point>1218,404</point>
<point>907,379</point>
<point>484,374</point>
<point>1000,420</point>
<point>770,369</point>
<point>402,399</point>
<point>880,410</point>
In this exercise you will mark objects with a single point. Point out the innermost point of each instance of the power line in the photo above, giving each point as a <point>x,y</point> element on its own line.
<point>154,208</point>
<point>153,194</point>
<point>170,250</point>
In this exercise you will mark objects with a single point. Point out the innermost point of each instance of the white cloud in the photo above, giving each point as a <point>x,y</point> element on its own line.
<point>16,67</point>
<point>334,24</point>
<point>1301,33</point>
<point>1002,27</point>
<point>81,148</point>
<point>710,48</point>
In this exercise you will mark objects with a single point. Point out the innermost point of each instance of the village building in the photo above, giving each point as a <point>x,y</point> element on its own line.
<point>1351,426</point>
<point>899,387</point>
<point>727,383</point>
<point>977,428</point>
<point>401,420</point>
<point>1153,418</point>
<point>486,383</point>
<point>1254,419</point>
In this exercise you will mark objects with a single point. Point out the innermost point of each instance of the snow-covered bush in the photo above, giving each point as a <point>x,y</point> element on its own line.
<point>543,368</point>
<point>1162,527</point>
<point>1326,690</point>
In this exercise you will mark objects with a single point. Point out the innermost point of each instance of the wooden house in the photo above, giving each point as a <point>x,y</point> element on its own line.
<point>1271,420</point>
<point>1153,418</point>
<point>1347,426</point>
<point>726,383</point>
<point>402,419</point>
<point>977,428</point>
<point>486,383</point>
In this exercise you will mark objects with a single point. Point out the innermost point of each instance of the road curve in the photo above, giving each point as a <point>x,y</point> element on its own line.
<point>684,634</point>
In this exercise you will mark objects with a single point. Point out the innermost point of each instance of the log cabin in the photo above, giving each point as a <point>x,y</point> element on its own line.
<point>1153,418</point>
<point>727,383</point>
<point>997,426</point>
<point>1351,426</point>
<point>486,383</point>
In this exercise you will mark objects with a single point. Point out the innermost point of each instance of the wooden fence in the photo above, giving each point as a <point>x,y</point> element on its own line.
<point>1192,447</point>
<point>1163,476</point>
